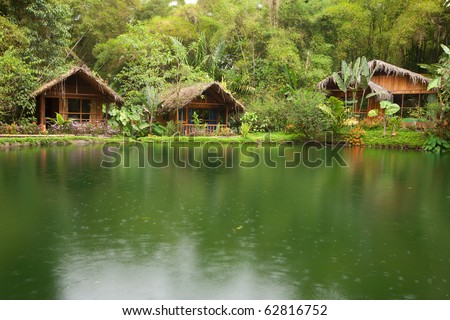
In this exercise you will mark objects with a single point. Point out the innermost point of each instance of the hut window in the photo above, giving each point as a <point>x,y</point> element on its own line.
<point>79,109</point>
<point>212,115</point>
<point>410,101</point>
<point>398,99</point>
<point>205,115</point>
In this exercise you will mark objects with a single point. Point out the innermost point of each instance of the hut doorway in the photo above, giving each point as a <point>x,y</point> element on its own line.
<point>51,107</point>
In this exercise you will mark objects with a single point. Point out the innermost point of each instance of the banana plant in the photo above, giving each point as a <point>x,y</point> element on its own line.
<point>344,78</point>
<point>355,83</point>
<point>366,77</point>
<point>389,110</point>
<point>361,75</point>
<point>354,77</point>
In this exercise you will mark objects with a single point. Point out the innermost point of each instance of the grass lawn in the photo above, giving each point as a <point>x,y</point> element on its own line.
<point>372,138</point>
<point>47,140</point>
<point>258,137</point>
<point>403,139</point>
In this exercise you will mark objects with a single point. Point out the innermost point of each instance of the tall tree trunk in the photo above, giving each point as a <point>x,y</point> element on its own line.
<point>274,5</point>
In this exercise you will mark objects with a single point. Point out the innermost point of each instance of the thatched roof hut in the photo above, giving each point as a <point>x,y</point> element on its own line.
<point>78,95</point>
<point>176,98</point>
<point>406,88</point>
<point>87,74</point>
<point>208,103</point>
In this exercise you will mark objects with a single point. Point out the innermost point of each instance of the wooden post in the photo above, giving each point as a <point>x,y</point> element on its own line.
<point>403,100</point>
<point>187,120</point>
<point>226,117</point>
<point>42,109</point>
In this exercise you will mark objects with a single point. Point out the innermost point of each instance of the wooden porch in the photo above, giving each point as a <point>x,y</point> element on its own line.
<point>202,129</point>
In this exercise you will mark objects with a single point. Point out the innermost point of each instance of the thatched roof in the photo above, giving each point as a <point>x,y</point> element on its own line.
<point>390,69</point>
<point>86,72</point>
<point>379,67</point>
<point>382,93</point>
<point>177,98</point>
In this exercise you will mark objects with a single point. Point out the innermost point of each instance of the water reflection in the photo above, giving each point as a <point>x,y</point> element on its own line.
<point>377,229</point>
<point>170,272</point>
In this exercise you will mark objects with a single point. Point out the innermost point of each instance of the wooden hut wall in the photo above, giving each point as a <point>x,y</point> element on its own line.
<point>399,84</point>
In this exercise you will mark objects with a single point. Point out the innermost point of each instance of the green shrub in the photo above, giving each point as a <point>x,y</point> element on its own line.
<point>129,119</point>
<point>436,144</point>
<point>256,123</point>
<point>307,114</point>
<point>338,113</point>
<point>16,84</point>
<point>171,128</point>
<point>245,129</point>
<point>159,129</point>
<point>270,112</point>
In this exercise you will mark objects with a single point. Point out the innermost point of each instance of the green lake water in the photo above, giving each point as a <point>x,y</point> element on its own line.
<point>378,228</point>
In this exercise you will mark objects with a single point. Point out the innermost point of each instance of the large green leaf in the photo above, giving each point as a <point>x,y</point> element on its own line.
<point>364,82</point>
<point>151,95</point>
<point>59,118</point>
<point>384,104</point>
<point>326,110</point>
<point>389,107</point>
<point>347,75</point>
<point>392,109</point>
<point>373,94</point>
<point>143,125</point>
<point>356,68</point>
<point>435,83</point>
<point>365,73</point>
<point>365,67</point>
<point>344,68</point>
<point>446,49</point>
<point>373,113</point>
<point>340,83</point>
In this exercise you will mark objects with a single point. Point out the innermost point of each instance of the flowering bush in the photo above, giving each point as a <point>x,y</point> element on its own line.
<point>355,137</point>
<point>24,128</point>
<point>290,128</point>
<point>371,123</point>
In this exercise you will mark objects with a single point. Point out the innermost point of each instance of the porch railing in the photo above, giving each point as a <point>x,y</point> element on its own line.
<point>201,129</point>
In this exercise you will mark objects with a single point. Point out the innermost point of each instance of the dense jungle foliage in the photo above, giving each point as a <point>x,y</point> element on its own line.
<point>269,53</point>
